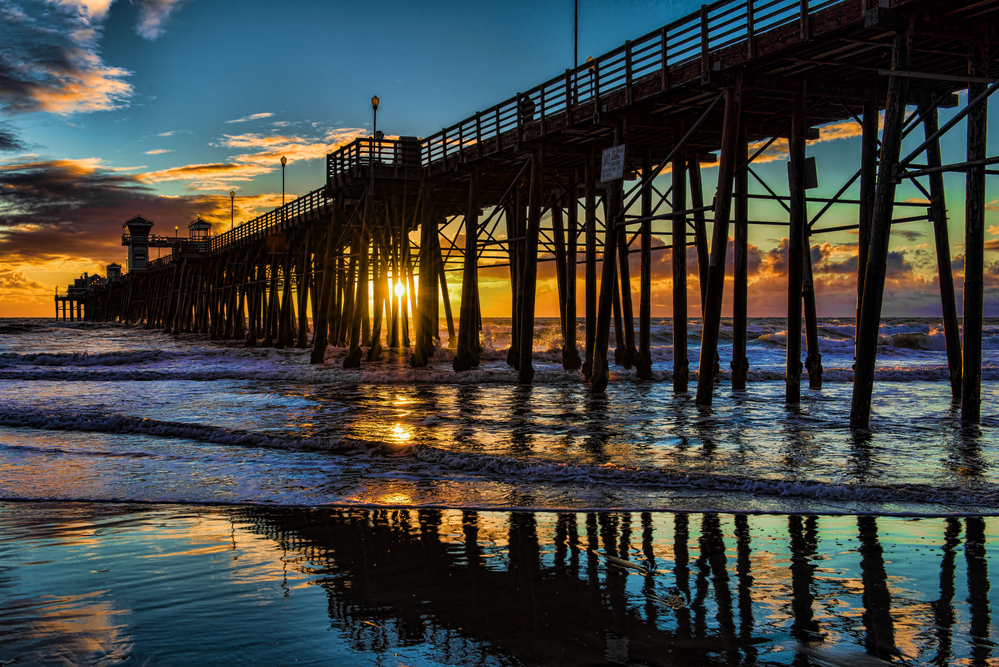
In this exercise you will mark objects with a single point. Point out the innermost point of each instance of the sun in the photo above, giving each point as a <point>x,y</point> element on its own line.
<point>400,289</point>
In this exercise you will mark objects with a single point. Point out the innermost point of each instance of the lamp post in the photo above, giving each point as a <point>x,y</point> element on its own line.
<point>232,210</point>
<point>284,161</point>
<point>374,108</point>
<point>575,33</point>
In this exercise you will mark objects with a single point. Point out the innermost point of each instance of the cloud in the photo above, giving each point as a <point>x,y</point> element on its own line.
<point>167,134</point>
<point>267,150</point>
<point>207,176</point>
<point>50,61</point>
<point>159,151</point>
<point>256,116</point>
<point>8,140</point>
<point>909,235</point>
<point>153,14</point>
<point>72,210</point>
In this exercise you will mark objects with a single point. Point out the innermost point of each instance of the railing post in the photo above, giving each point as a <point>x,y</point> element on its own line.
<point>705,59</point>
<point>629,93</point>
<point>569,96</point>
<point>461,143</point>
<point>544,123</point>
<point>499,141</point>
<point>805,32</point>
<point>478,133</point>
<point>595,73</point>
<point>665,61</point>
<point>520,117</point>
<point>750,29</point>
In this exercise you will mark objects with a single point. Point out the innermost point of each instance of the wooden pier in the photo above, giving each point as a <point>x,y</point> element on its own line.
<point>521,182</point>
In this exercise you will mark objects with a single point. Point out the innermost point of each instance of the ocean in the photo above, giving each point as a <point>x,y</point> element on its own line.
<point>137,440</point>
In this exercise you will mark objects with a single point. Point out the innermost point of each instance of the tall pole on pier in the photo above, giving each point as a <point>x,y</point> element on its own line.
<point>232,210</point>
<point>575,33</point>
<point>284,161</point>
<point>374,109</point>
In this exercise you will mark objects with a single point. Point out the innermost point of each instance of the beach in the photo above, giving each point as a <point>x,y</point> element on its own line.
<point>166,497</point>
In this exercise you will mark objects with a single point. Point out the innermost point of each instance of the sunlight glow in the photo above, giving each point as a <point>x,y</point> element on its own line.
<point>400,289</point>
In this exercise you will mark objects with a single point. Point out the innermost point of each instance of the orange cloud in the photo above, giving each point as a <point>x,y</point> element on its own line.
<point>218,176</point>
<point>268,149</point>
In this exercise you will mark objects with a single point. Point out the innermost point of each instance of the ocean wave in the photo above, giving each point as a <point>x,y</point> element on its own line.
<point>504,467</point>
<point>84,358</point>
<point>541,470</point>
<point>19,328</point>
<point>99,422</point>
<point>549,374</point>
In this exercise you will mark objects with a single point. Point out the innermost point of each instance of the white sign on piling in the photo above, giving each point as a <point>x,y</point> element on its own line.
<point>612,165</point>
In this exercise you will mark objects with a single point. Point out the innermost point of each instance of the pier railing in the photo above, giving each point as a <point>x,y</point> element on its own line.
<point>395,158</point>
<point>686,41</point>
<point>313,202</point>
<point>690,40</point>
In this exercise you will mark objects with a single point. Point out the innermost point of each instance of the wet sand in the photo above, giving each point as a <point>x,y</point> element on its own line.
<point>93,583</point>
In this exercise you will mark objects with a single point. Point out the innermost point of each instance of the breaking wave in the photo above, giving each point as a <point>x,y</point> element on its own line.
<point>504,468</point>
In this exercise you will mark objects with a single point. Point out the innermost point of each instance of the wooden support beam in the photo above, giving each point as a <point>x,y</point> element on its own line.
<point>270,322</point>
<point>600,371</point>
<point>974,239</point>
<point>700,229</point>
<point>813,360</point>
<point>740,278</point>
<point>629,353</point>
<point>941,237</point>
<point>643,362</point>
<point>423,345</point>
<point>681,364</point>
<point>877,263</point>
<point>590,223</point>
<point>378,298</point>
<point>468,353</point>
<point>320,323</point>
<point>570,355</point>
<point>530,272</point>
<point>353,358</point>
<point>796,248</point>
<point>304,284</point>
<point>868,186</point>
<point>561,262</point>
<point>719,246</point>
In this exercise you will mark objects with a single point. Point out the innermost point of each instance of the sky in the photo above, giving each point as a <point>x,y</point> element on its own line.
<point>112,108</point>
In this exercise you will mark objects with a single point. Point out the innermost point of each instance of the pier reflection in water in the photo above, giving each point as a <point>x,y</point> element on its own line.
<point>91,583</point>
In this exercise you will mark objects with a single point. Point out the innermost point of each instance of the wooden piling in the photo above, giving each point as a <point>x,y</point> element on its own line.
<point>681,363</point>
<point>530,274</point>
<point>868,187</point>
<point>643,361</point>
<point>941,238</point>
<point>600,371</point>
<point>719,245</point>
<point>590,277</point>
<point>570,355</point>
<point>320,325</point>
<point>877,261</point>
<point>974,238</point>
<point>740,269</point>
<point>795,248</point>
<point>464,354</point>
